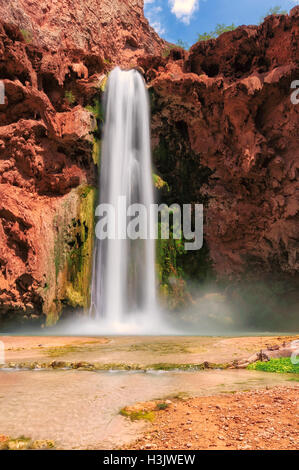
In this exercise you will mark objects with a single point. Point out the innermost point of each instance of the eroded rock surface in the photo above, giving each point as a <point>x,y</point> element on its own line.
<point>109,31</point>
<point>224,133</point>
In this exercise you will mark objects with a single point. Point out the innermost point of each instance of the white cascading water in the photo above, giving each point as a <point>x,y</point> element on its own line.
<point>124,285</point>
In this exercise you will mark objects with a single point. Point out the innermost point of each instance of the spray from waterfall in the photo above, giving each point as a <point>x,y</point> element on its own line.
<point>123,284</point>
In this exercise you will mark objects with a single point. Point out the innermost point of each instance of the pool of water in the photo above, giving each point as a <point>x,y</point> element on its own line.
<point>80,410</point>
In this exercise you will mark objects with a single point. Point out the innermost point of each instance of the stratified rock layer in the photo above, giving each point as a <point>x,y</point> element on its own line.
<point>112,31</point>
<point>224,133</point>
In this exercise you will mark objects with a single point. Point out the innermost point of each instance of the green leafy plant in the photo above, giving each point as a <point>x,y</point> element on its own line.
<point>182,44</point>
<point>281,365</point>
<point>166,50</point>
<point>219,29</point>
<point>97,110</point>
<point>205,37</point>
<point>162,406</point>
<point>274,11</point>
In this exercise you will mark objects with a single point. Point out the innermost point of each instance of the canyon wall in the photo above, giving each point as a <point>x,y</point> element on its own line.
<point>225,133</point>
<point>113,31</point>
<point>54,61</point>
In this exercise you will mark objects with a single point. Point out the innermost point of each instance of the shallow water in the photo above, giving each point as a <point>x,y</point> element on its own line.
<point>142,350</point>
<point>80,410</point>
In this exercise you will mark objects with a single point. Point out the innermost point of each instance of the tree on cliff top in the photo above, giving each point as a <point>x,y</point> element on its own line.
<point>274,11</point>
<point>220,29</point>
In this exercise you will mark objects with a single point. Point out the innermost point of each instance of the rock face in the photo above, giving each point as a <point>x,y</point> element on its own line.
<point>54,58</point>
<point>224,133</point>
<point>112,31</point>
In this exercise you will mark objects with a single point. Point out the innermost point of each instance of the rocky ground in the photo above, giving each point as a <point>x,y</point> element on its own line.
<point>141,388</point>
<point>263,419</point>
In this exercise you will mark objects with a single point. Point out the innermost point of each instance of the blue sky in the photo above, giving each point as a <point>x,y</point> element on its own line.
<point>184,19</point>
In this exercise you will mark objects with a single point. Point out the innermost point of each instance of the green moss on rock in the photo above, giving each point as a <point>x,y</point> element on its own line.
<point>159,183</point>
<point>69,285</point>
<point>280,365</point>
<point>97,111</point>
<point>79,259</point>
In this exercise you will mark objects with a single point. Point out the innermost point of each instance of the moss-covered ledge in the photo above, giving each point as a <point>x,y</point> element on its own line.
<point>70,268</point>
<point>96,366</point>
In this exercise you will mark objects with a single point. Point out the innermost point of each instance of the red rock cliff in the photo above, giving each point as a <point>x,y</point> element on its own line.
<point>224,133</point>
<point>112,29</point>
<point>54,60</point>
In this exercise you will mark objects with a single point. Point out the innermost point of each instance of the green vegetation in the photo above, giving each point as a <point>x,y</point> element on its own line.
<point>179,396</point>
<point>59,351</point>
<point>69,97</point>
<point>166,348</point>
<point>79,259</point>
<point>274,11</point>
<point>24,443</point>
<point>97,110</point>
<point>27,35</point>
<point>175,266</point>
<point>72,257</point>
<point>186,367</point>
<point>220,29</point>
<point>179,44</point>
<point>137,415</point>
<point>144,411</point>
<point>159,183</point>
<point>170,275</point>
<point>281,365</point>
<point>162,406</point>
<point>96,366</point>
<point>166,51</point>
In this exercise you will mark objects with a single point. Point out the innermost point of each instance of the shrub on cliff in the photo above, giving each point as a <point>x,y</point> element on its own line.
<point>273,11</point>
<point>220,29</point>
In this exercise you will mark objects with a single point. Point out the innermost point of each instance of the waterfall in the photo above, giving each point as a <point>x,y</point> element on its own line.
<point>123,281</point>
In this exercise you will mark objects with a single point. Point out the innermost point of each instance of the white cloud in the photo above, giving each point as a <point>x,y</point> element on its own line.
<point>153,15</point>
<point>183,9</point>
<point>158,27</point>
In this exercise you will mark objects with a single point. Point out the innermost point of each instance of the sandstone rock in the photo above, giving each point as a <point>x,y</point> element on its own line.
<point>114,30</point>
<point>224,133</point>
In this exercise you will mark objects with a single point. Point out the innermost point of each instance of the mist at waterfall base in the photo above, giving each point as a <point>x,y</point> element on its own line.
<point>247,309</point>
